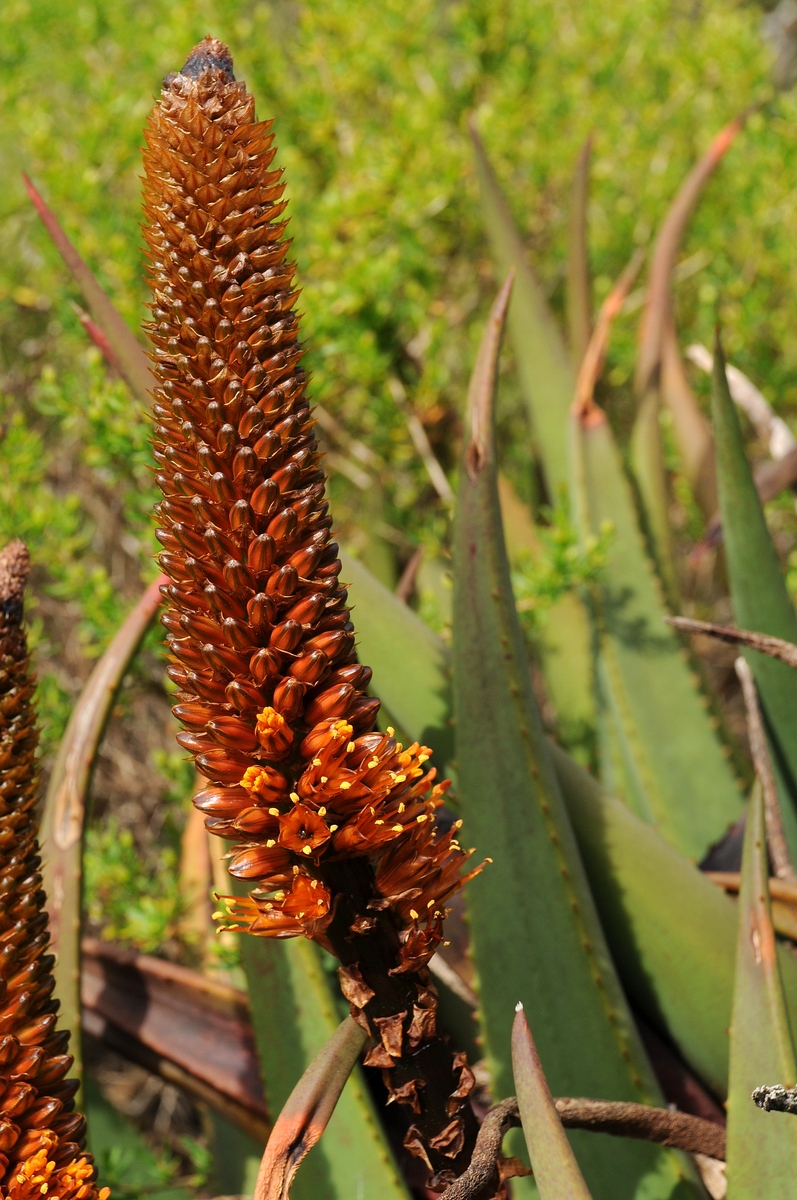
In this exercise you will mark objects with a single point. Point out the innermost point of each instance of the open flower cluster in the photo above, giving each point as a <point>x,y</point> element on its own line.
<point>40,1134</point>
<point>335,824</point>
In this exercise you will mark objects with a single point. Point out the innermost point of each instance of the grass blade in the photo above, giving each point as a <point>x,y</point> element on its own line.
<point>534,896</point>
<point>556,1171</point>
<point>762,1147</point>
<point>64,810</point>
<point>132,360</point>
<point>546,373</point>
<point>578,294</point>
<point>758,591</point>
<point>307,1111</point>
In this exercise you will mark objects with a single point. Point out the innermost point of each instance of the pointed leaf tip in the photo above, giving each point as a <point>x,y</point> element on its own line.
<point>556,1171</point>
<point>482,384</point>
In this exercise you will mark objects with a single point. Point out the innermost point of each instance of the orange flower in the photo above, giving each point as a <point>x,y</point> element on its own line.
<point>38,1176</point>
<point>273,733</point>
<point>303,830</point>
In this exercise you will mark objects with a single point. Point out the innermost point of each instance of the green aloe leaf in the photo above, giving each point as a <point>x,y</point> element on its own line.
<point>419,700</point>
<point>535,933</point>
<point>647,464</point>
<point>658,747</point>
<point>556,1171</point>
<point>671,932</point>
<point>762,1146</point>
<point>294,1014</point>
<point>565,643</point>
<point>758,591</point>
<point>668,762</point>
<point>546,373</point>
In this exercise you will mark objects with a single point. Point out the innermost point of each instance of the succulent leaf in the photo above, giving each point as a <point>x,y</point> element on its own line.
<point>762,1146</point>
<point>760,600</point>
<point>64,810</point>
<point>535,933</point>
<point>556,1172</point>
<point>662,755</point>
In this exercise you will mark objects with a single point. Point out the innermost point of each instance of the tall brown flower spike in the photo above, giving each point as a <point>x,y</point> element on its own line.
<point>40,1134</point>
<point>335,823</point>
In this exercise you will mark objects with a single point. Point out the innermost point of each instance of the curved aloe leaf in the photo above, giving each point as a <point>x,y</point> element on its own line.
<point>658,308</point>
<point>131,359</point>
<point>306,1112</point>
<point>695,440</point>
<point>546,373</point>
<point>294,1015</point>
<point>547,380</point>
<point>761,602</point>
<point>578,299</point>
<point>535,933</point>
<point>64,812</point>
<point>556,1171</point>
<point>762,1147</point>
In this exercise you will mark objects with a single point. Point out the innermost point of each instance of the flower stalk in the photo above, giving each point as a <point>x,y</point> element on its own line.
<point>41,1136</point>
<point>333,823</point>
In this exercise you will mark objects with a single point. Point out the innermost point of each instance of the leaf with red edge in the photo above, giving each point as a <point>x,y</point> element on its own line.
<point>131,359</point>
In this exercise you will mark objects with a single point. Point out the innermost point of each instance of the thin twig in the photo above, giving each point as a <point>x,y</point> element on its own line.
<point>592,363</point>
<point>421,442</point>
<point>770,428</point>
<point>641,1121</point>
<point>406,585</point>
<point>774,647</point>
<point>481,1180</point>
<point>776,837</point>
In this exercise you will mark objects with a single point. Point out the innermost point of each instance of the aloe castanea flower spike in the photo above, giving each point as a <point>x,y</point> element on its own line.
<point>334,823</point>
<point>41,1136</point>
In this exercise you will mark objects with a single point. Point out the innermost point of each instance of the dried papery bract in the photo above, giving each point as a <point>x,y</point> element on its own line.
<point>335,824</point>
<point>40,1133</point>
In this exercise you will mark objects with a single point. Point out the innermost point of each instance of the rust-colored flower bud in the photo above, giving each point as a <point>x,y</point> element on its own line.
<point>40,1134</point>
<point>331,818</point>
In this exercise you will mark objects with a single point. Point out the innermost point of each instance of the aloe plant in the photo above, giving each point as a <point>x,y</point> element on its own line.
<point>340,841</point>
